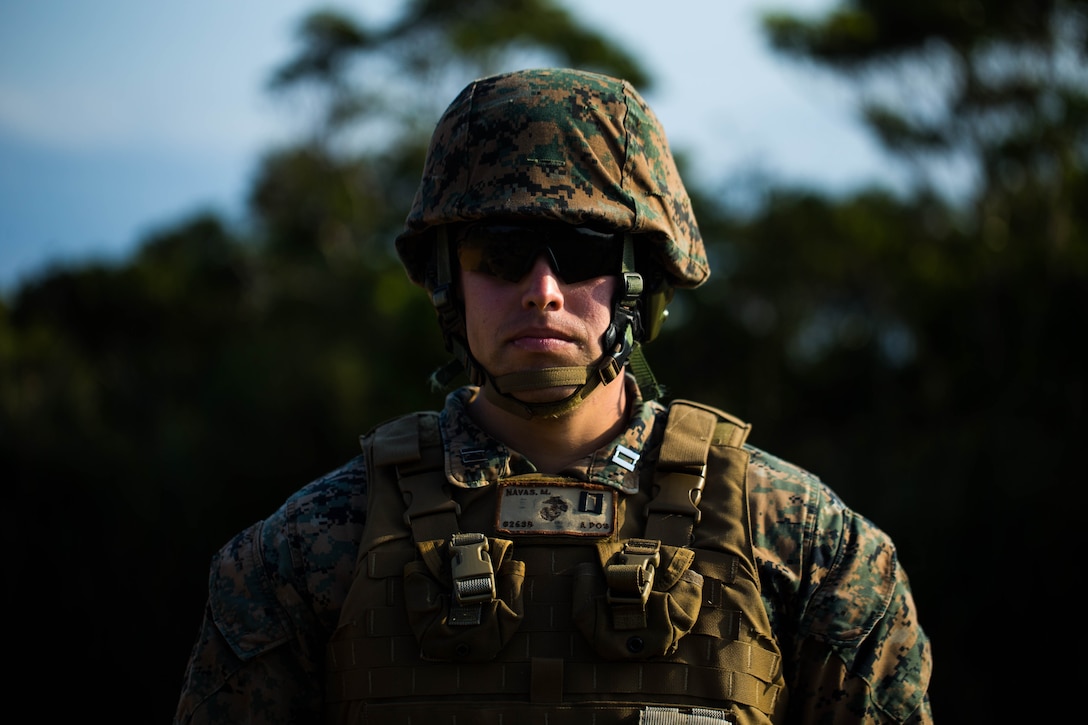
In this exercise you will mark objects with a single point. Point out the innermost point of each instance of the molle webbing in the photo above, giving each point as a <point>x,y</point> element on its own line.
<point>551,680</point>
<point>713,663</point>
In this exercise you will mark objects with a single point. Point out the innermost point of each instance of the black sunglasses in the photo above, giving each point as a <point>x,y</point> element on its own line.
<point>508,251</point>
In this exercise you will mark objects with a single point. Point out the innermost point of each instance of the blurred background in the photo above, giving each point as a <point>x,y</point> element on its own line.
<point>200,308</point>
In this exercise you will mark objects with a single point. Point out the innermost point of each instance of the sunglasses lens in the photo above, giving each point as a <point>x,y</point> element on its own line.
<point>509,251</point>
<point>507,257</point>
<point>587,254</point>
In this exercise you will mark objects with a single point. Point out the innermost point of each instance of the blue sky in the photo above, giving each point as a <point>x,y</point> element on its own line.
<point>118,117</point>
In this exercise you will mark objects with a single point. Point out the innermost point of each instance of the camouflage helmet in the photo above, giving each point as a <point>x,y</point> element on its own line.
<point>555,145</point>
<point>566,146</point>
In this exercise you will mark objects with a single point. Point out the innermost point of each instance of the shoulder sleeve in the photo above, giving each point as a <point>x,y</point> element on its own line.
<point>839,601</point>
<point>274,593</point>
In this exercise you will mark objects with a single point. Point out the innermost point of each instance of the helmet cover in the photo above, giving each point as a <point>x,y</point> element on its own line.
<point>561,145</point>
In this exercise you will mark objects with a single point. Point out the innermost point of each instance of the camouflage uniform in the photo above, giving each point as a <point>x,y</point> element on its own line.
<point>839,602</point>
<point>577,148</point>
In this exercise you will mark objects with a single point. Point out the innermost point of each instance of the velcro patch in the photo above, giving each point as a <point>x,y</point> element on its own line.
<point>534,507</point>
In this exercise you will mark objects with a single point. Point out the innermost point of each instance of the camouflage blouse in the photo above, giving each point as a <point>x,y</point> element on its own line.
<point>839,602</point>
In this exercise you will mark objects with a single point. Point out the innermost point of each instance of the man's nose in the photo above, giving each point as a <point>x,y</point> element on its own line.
<point>543,284</point>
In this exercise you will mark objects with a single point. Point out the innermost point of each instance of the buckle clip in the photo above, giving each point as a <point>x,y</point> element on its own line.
<point>630,575</point>
<point>680,494</point>
<point>473,572</point>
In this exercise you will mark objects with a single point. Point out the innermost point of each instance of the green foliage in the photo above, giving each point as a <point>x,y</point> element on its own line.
<point>432,49</point>
<point>1002,86</point>
<point>328,41</point>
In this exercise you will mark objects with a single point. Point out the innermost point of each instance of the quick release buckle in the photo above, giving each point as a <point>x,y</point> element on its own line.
<point>630,574</point>
<point>473,572</point>
<point>680,494</point>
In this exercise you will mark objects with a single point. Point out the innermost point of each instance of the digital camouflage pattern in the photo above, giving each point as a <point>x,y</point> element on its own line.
<point>560,145</point>
<point>838,600</point>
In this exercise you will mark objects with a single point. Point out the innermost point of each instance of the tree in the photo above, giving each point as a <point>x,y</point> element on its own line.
<point>1000,86</point>
<point>922,350</point>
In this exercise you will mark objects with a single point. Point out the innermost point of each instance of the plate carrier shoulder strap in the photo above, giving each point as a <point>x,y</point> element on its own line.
<point>413,447</point>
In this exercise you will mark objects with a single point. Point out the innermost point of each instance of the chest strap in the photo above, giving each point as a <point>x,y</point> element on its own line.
<point>413,446</point>
<point>680,476</point>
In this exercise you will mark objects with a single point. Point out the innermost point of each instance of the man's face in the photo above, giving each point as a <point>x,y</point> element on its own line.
<point>538,320</point>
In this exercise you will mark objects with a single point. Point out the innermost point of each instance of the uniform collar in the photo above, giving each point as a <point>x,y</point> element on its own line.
<point>474,459</point>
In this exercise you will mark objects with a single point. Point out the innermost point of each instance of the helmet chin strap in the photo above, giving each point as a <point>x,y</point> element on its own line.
<point>618,341</point>
<point>501,390</point>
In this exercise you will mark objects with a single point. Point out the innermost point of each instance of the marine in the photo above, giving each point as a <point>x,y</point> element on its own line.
<point>654,567</point>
